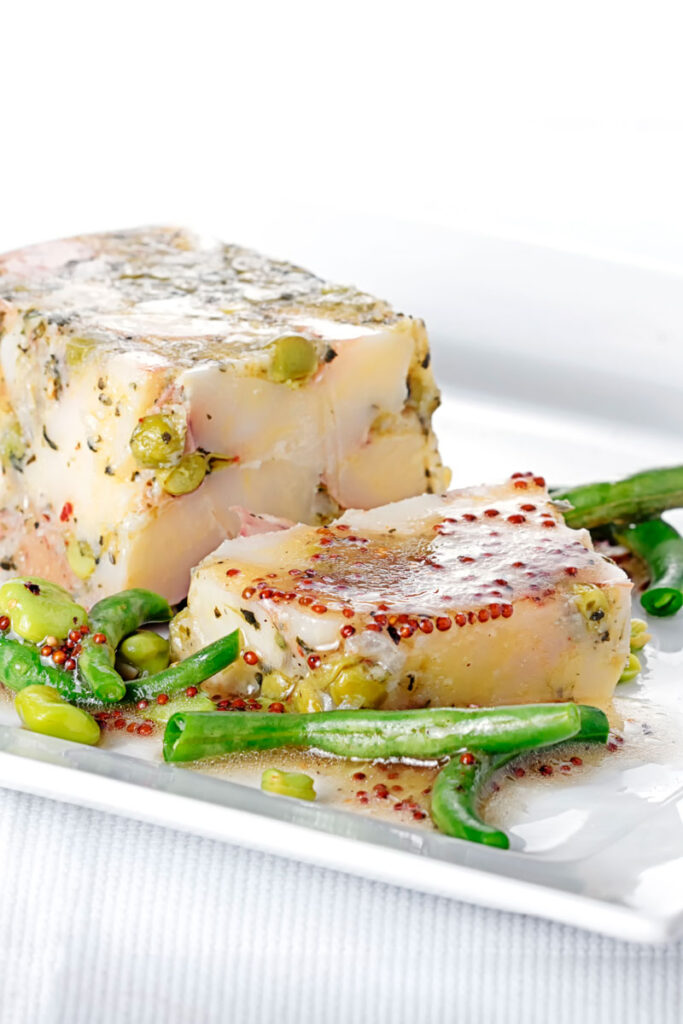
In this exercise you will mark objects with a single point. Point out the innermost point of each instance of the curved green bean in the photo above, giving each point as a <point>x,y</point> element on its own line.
<point>20,666</point>
<point>190,672</point>
<point>660,546</point>
<point>114,618</point>
<point>630,500</point>
<point>365,735</point>
<point>457,788</point>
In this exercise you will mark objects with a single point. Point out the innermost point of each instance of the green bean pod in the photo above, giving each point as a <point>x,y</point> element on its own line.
<point>457,788</point>
<point>190,672</point>
<point>630,500</point>
<point>365,735</point>
<point>116,617</point>
<point>20,666</point>
<point>660,546</point>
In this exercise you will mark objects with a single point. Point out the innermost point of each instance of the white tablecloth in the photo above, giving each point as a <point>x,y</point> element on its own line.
<point>104,919</point>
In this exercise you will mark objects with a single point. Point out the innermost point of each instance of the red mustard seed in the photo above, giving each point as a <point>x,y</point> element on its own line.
<point>232,572</point>
<point>359,776</point>
<point>131,727</point>
<point>361,793</point>
<point>4,622</point>
<point>77,650</point>
<point>250,657</point>
<point>571,570</point>
<point>518,773</point>
<point>120,723</point>
<point>266,594</point>
<point>518,565</point>
<point>517,518</point>
<point>305,600</point>
<point>45,651</point>
<point>313,661</point>
<point>347,630</point>
<point>494,609</point>
<point>238,704</point>
<point>546,769</point>
<point>565,768</point>
<point>549,523</point>
<point>426,625</point>
<point>500,582</point>
<point>539,481</point>
<point>491,512</point>
<point>379,618</point>
<point>483,615</point>
<point>578,761</point>
<point>406,630</point>
<point>443,623</point>
<point>373,627</point>
<point>465,559</point>
<point>59,657</point>
<point>84,630</point>
<point>469,517</point>
<point>348,613</point>
<point>396,789</point>
<point>521,485</point>
<point>75,635</point>
<point>162,698</point>
<point>528,508</point>
<point>381,791</point>
<point>277,707</point>
<point>506,611</point>
<point>460,619</point>
<point>142,704</point>
<point>467,758</point>
<point>319,609</point>
<point>99,638</point>
<point>145,729</point>
<point>70,664</point>
<point>191,691</point>
<point>223,705</point>
<point>419,815</point>
<point>248,592</point>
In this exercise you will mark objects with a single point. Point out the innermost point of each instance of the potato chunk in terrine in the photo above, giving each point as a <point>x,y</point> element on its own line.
<point>151,379</point>
<point>480,596</point>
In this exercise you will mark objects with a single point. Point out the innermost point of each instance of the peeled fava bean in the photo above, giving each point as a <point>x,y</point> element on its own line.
<point>38,608</point>
<point>158,440</point>
<point>145,651</point>
<point>41,709</point>
<point>295,784</point>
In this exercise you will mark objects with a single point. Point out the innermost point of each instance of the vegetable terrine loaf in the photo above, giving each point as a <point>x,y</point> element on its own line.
<point>151,379</point>
<point>478,596</point>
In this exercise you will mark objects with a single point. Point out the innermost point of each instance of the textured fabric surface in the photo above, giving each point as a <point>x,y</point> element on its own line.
<point>103,919</point>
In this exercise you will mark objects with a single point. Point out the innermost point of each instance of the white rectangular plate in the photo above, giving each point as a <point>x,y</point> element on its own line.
<point>568,367</point>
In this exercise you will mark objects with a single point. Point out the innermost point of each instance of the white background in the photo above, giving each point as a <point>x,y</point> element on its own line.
<point>273,124</point>
<point>538,119</point>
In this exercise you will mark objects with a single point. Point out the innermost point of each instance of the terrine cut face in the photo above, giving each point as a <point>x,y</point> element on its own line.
<point>152,379</point>
<point>479,596</point>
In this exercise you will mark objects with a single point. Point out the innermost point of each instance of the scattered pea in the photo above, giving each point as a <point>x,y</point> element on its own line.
<point>186,476</point>
<point>639,634</point>
<point>158,440</point>
<point>631,669</point>
<point>293,358</point>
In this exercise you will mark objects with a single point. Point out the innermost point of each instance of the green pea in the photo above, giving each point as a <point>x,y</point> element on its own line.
<point>38,608</point>
<point>293,358</point>
<point>295,784</point>
<point>145,651</point>
<point>186,476</point>
<point>158,441</point>
<point>41,709</point>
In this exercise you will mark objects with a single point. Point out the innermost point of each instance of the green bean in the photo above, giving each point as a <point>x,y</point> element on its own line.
<point>661,548</point>
<point>457,788</point>
<point>43,710</point>
<point>366,735</point>
<point>38,608</point>
<point>637,497</point>
<point>20,666</point>
<point>190,672</point>
<point>114,618</point>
